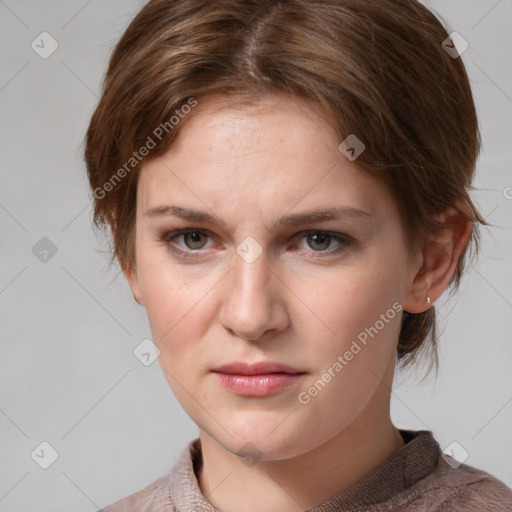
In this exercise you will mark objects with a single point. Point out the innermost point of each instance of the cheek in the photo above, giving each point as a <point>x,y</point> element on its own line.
<point>350,297</point>
<point>361,308</point>
<point>170,299</point>
<point>353,303</point>
<point>177,317</point>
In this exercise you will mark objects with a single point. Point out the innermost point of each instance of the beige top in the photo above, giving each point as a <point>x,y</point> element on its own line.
<point>414,479</point>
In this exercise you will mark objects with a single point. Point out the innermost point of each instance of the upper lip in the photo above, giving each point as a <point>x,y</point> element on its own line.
<point>261,368</point>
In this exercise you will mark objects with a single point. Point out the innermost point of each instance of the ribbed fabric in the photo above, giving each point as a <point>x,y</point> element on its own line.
<point>415,479</point>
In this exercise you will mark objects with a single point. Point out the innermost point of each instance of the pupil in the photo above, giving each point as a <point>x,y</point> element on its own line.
<point>195,238</point>
<point>317,238</point>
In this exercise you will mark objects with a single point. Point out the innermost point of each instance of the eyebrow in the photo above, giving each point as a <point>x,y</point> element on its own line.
<point>307,217</point>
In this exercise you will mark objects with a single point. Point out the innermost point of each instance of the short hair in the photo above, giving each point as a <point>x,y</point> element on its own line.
<point>377,69</point>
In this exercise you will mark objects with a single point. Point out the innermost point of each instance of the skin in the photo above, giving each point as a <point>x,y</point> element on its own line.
<point>299,303</point>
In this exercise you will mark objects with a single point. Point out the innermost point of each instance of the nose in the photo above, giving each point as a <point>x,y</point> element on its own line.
<point>254,304</point>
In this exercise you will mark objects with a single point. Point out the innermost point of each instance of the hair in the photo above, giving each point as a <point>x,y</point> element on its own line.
<point>377,68</point>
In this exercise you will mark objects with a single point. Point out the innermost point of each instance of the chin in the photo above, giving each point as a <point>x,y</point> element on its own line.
<point>263,440</point>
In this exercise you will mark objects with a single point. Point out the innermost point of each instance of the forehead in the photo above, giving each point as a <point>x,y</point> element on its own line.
<point>280,151</point>
<point>275,125</point>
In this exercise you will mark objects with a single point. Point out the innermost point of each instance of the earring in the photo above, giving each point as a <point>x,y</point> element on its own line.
<point>429,302</point>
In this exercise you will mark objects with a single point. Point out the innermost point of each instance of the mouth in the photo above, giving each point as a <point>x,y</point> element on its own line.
<point>259,379</point>
<point>261,368</point>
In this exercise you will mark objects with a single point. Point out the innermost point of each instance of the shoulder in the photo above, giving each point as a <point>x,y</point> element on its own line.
<point>463,488</point>
<point>159,496</point>
<point>154,498</point>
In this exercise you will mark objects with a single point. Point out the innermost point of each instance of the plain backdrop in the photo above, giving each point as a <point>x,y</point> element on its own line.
<point>68,374</point>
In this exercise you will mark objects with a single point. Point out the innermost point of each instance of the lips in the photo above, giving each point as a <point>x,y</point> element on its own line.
<point>261,368</point>
<point>257,380</point>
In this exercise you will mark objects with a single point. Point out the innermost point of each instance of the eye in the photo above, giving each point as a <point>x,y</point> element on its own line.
<point>193,239</point>
<point>320,241</point>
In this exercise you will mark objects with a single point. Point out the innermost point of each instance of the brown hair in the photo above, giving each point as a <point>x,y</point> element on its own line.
<point>377,68</point>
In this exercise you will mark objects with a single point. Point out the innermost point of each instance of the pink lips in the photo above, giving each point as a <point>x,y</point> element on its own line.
<point>258,379</point>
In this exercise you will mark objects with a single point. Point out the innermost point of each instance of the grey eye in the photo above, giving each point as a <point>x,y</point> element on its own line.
<point>319,241</point>
<point>193,239</point>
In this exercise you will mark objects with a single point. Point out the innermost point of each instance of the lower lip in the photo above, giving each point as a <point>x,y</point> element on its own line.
<point>258,385</point>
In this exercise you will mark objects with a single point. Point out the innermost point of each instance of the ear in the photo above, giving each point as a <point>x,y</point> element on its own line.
<point>133,281</point>
<point>436,266</point>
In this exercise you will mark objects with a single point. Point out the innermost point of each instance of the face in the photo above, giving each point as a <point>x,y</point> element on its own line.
<point>236,263</point>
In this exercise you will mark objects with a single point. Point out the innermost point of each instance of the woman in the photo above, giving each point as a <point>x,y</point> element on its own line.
<point>286,185</point>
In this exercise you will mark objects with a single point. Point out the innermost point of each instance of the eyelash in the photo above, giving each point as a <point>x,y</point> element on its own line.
<point>167,238</point>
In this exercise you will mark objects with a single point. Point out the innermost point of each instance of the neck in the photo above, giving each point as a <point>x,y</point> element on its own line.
<point>299,483</point>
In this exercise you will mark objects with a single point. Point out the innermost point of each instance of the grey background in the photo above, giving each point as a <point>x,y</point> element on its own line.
<point>68,375</point>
